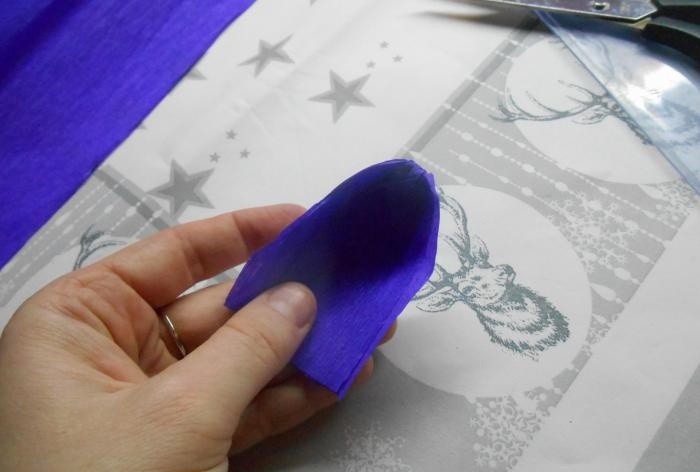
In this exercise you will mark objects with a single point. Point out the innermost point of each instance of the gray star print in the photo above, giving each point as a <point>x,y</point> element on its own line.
<point>268,53</point>
<point>344,94</point>
<point>184,189</point>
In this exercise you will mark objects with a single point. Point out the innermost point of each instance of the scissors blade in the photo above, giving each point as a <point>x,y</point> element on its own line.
<point>620,10</point>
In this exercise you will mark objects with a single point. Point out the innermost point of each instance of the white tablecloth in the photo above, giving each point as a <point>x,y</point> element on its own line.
<point>586,239</point>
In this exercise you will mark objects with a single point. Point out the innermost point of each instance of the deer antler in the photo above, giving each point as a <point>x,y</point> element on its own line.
<point>460,241</point>
<point>439,280</point>
<point>592,98</point>
<point>511,111</point>
<point>87,248</point>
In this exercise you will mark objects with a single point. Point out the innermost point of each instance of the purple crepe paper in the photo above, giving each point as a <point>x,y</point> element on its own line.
<point>364,250</point>
<point>76,77</point>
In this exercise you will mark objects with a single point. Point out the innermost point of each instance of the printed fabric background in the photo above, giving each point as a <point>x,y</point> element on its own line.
<point>555,208</point>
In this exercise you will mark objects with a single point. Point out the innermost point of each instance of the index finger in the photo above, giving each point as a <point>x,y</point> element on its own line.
<point>161,267</point>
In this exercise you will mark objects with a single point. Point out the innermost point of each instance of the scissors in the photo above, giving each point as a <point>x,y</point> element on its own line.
<point>675,23</point>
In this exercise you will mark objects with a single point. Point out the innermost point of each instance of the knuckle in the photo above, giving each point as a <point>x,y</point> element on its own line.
<point>94,296</point>
<point>176,405</point>
<point>175,399</point>
<point>89,286</point>
<point>257,342</point>
<point>185,415</point>
<point>193,258</point>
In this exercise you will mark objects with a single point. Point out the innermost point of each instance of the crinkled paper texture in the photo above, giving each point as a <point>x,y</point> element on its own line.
<point>364,250</point>
<point>75,79</point>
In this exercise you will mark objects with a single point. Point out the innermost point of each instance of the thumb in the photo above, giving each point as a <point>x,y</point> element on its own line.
<point>254,345</point>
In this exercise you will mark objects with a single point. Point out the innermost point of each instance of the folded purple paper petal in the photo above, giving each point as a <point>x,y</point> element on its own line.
<point>364,250</point>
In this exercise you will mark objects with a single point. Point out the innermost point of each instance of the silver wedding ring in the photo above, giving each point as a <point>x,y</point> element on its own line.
<point>173,334</point>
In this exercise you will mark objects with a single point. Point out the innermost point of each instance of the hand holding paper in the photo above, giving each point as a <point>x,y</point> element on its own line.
<point>89,374</point>
<point>364,250</point>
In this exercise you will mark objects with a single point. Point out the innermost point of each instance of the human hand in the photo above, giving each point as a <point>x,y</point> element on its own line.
<point>90,377</point>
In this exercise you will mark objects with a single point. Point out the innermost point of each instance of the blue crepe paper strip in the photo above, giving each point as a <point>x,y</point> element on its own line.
<point>76,77</point>
<point>364,250</point>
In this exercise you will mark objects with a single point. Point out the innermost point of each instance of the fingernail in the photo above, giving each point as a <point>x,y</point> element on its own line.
<point>293,301</point>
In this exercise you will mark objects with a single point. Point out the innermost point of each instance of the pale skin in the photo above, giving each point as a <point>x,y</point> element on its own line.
<point>90,379</point>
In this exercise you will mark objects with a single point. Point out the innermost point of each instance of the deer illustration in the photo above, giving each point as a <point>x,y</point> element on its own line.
<point>514,316</point>
<point>680,120</point>
<point>590,108</point>
<point>90,242</point>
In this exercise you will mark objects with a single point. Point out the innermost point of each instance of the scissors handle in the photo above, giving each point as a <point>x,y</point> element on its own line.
<point>686,10</point>
<point>681,35</point>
